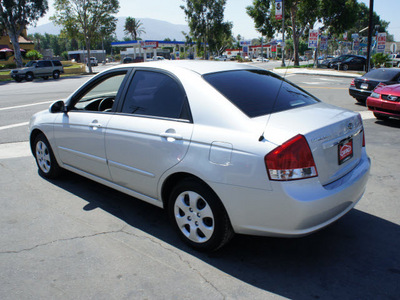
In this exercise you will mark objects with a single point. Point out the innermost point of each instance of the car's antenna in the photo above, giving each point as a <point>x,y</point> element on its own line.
<point>273,106</point>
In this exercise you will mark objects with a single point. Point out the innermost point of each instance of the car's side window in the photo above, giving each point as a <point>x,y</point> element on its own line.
<point>154,94</point>
<point>101,95</point>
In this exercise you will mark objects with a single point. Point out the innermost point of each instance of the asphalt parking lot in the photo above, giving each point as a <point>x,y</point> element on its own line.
<point>75,239</point>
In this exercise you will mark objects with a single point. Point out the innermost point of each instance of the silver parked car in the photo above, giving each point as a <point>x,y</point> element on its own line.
<point>225,148</point>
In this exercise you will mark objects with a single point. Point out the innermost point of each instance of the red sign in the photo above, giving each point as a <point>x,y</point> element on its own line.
<point>149,44</point>
<point>345,151</point>
<point>273,48</point>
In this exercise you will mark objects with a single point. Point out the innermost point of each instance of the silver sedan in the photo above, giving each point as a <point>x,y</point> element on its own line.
<point>225,148</point>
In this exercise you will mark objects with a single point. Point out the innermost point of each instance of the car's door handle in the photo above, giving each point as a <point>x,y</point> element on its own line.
<point>95,124</point>
<point>171,135</point>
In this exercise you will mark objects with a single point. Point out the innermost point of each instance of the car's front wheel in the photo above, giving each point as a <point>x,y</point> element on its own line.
<point>345,67</point>
<point>45,160</point>
<point>199,216</point>
<point>56,74</point>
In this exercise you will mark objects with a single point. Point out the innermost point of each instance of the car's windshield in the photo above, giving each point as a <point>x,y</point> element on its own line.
<point>259,92</point>
<point>30,63</point>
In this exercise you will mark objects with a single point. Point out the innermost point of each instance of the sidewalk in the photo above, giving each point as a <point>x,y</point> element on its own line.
<point>321,72</point>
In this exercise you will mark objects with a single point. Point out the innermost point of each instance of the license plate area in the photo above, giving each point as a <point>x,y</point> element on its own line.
<point>345,151</point>
<point>364,86</point>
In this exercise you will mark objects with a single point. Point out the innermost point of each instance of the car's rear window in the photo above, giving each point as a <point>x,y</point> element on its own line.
<point>259,92</point>
<point>381,74</point>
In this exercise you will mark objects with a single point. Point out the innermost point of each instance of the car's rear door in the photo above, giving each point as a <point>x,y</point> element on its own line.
<point>150,133</point>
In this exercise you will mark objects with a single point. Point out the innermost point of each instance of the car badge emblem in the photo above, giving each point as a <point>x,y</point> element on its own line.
<point>392,98</point>
<point>350,126</point>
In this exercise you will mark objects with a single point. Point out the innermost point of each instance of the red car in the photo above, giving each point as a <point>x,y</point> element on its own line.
<point>384,101</point>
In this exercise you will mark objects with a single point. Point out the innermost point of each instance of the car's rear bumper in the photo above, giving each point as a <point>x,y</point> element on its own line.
<point>359,94</point>
<point>293,208</point>
<point>384,107</point>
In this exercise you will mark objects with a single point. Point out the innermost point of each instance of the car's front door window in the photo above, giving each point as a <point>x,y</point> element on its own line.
<point>101,96</point>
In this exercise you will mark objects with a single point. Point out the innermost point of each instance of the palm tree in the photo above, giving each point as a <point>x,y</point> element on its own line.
<point>133,27</point>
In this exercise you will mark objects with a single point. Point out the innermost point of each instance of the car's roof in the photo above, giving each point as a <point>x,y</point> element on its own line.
<point>199,66</point>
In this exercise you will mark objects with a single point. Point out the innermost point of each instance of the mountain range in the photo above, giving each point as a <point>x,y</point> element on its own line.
<point>155,29</point>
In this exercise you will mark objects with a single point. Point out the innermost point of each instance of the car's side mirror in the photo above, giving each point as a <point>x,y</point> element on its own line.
<point>58,106</point>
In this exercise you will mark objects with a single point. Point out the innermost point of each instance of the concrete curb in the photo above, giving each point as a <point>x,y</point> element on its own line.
<point>304,71</point>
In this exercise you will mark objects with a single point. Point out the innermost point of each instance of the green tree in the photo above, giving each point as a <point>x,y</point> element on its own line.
<point>301,15</point>
<point>15,15</point>
<point>33,55</point>
<point>206,22</point>
<point>133,27</point>
<point>83,19</point>
<point>260,12</point>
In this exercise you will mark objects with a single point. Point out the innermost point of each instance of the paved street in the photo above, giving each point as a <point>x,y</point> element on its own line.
<point>75,239</point>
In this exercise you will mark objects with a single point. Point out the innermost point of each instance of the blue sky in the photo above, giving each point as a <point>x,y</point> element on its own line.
<point>169,10</point>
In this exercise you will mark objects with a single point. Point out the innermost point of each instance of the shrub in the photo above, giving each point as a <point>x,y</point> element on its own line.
<point>33,54</point>
<point>380,59</point>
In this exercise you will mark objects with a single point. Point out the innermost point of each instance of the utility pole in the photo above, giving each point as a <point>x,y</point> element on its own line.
<point>283,34</point>
<point>371,10</point>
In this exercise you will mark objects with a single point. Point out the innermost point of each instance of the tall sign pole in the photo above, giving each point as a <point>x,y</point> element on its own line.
<point>283,35</point>
<point>371,10</point>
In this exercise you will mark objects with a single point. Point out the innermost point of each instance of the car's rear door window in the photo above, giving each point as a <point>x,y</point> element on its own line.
<point>259,92</point>
<point>153,93</point>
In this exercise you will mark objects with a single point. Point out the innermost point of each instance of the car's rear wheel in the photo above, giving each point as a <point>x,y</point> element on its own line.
<point>199,216</point>
<point>56,74</point>
<point>29,76</point>
<point>380,116</point>
<point>45,160</point>
<point>345,67</point>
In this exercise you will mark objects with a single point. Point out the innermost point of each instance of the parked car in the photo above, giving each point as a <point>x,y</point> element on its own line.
<point>362,87</point>
<point>127,60</point>
<point>330,62</point>
<point>384,102</point>
<point>93,61</point>
<point>351,63</point>
<point>395,60</point>
<point>225,148</point>
<point>38,68</point>
<point>262,59</point>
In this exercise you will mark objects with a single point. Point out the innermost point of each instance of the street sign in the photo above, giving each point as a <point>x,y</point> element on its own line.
<point>245,43</point>
<point>278,10</point>
<point>393,48</point>
<point>324,43</point>
<point>381,42</point>
<point>313,38</point>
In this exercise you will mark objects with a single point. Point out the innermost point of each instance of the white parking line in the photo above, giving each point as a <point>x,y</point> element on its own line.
<point>25,105</point>
<point>15,150</point>
<point>14,125</point>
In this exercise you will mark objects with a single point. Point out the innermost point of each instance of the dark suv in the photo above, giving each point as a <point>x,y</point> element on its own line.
<point>38,68</point>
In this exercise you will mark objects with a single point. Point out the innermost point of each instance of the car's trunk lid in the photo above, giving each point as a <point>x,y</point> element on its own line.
<point>334,135</point>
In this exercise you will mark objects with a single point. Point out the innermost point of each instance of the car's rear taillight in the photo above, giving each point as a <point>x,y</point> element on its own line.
<point>381,84</point>
<point>290,161</point>
<point>352,83</point>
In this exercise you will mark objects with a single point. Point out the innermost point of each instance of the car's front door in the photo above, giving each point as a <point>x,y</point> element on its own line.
<point>150,133</point>
<point>79,133</point>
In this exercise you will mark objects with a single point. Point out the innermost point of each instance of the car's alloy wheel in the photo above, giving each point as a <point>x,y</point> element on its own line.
<point>47,164</point>
<point>56,74</point>
<point>345,67</point>
<point>199,216</point>
<point>29,77</point>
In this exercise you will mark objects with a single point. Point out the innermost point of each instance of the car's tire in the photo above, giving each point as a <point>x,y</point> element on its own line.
<point>45,77</point>
<point>329,65</point>
<point>56,74</point>
<point>29,76</point>
<point>345,67</point>
<point>380,116</point>
<point>45,160</point>
<point>17,79</point>
<point>199,216</point>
